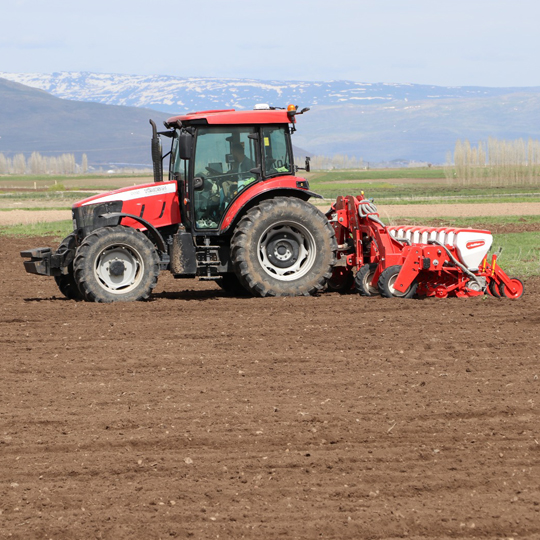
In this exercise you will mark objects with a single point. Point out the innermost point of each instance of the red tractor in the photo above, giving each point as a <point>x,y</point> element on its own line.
<point>232,210</point>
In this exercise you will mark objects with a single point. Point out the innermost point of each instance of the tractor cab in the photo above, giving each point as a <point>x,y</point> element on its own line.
<point>217,156</point>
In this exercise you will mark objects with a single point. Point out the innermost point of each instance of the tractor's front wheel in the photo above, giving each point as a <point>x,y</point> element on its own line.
<point>283,247</point>
<point>66,282</point>
<point>116,264</point>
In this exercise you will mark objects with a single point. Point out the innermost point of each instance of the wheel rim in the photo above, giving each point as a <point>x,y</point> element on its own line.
<point>516,283</point>
<point>367,283</point>
<point>287,251</point>
<point>393,291</point>
<point>119,268</point>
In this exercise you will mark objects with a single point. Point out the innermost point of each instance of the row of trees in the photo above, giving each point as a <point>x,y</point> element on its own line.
<point>38,164</point>
<point>497,163</point>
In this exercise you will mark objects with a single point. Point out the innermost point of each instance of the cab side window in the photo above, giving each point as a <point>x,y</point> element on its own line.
<point>277,157</point>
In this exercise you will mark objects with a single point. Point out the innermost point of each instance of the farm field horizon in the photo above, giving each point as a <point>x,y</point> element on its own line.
<point>421,196</point>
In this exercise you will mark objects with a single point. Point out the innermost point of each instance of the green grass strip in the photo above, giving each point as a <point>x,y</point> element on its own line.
<point>56,195</point>
<point>472,222</point>
<point>330,176</point>
<point>67,177</point>
<point>521,253</point>
<point>58,229</point>
<point>35,208</point>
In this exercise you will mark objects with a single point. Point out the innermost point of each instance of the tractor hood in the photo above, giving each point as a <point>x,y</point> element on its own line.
<point>156,204</point>
<point>131,193</point>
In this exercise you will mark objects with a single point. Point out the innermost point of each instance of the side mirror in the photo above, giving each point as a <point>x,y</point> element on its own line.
<point>198,183</point>
<point>185,145</point>
<point>308,166</point>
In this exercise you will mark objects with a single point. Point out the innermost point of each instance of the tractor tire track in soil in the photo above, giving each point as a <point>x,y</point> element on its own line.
<point>197,415</point>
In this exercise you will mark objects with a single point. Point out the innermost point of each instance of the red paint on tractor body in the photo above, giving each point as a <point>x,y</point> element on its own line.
<point>232,117</point>
<point>157,203</point>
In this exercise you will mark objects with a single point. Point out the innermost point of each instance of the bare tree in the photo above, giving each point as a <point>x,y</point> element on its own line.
<point>19,164</point>
<point>4,165</point>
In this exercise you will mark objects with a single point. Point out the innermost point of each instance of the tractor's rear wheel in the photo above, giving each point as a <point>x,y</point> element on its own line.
<point>364,278</point>
<point>66,282</point>
<point>283,247</point>
<point>116,264</point>
<point>387,281</point>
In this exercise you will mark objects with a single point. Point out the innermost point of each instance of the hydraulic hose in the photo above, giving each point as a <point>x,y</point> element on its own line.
<point>366,209</point>
<point>456,262</point>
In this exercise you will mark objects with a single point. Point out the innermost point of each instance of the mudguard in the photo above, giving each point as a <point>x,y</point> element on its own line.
<point>289,185</point>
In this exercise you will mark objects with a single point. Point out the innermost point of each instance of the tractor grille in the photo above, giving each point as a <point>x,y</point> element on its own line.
<point>87,218</point>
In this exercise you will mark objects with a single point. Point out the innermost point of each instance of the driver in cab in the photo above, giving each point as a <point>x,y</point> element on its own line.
<point>242,164</point>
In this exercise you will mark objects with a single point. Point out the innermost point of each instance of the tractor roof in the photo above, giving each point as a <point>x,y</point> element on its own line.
<point>231,116</point>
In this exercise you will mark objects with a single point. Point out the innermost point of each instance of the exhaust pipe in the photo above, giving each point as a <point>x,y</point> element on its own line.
<point>157,157</point>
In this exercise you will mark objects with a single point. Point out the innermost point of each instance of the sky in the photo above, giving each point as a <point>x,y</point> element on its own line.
<point>440,42</point>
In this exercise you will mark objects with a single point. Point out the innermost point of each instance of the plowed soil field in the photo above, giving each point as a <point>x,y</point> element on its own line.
<point>197,415</point>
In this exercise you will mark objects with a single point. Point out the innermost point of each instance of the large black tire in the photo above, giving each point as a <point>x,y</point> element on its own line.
<point>66,282</point>
<point>363,279</point>
<point>116,264</point>
<point>231,285</point>
<point>283,247</point>
<point>387,280</point>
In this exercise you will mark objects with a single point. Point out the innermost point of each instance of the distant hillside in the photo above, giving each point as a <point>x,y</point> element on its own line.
<point>420,130</point>
<point>33,120</point>
<point>379,123</point>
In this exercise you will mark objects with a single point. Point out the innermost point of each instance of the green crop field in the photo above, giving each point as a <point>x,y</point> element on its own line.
<point>406,186</point>
<point>56,229</point>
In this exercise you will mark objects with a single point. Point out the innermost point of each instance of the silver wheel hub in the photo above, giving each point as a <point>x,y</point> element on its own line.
<point>119,268</point>
<point>391,283</point>
<point>287,251</point>
<point>368,278</point>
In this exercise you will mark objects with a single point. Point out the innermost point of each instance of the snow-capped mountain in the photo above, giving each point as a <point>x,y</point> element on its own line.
<point>179,94</point>
<point>376,122</point>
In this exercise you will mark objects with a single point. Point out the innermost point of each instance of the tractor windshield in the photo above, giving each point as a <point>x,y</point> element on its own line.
<point>225,158</point>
